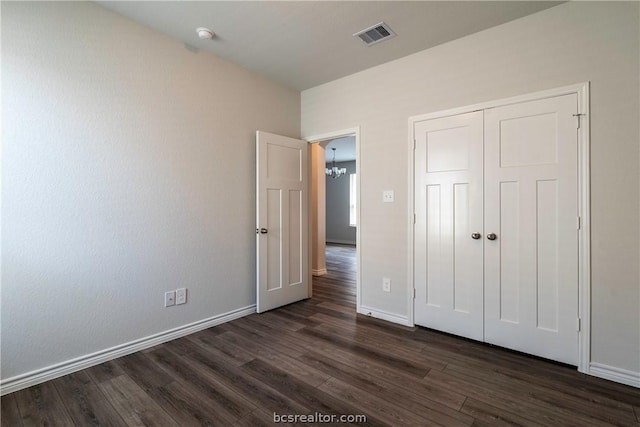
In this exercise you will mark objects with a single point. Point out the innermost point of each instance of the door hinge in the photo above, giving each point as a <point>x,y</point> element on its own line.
<point>414,218</point>
<point>414,293</point>
<point>578,324</point>
<point>578,116</point>
<point>579,223</point>
<point>414,144</point>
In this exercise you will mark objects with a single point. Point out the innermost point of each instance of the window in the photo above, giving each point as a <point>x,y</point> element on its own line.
<point>352,200</point>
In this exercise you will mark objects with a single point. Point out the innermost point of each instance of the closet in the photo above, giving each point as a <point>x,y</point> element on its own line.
<point>496,226</point>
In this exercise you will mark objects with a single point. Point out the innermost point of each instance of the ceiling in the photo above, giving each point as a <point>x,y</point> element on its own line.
<point>302,44</point>
<point>345,149</point>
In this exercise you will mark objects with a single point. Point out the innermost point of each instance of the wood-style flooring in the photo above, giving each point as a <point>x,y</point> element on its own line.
<point>319,356</point>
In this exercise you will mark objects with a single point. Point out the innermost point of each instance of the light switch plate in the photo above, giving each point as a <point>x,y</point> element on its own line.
<point>388,196</point>
<point>181,296</point>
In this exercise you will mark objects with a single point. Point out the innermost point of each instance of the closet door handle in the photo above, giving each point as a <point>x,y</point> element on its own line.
<point>476,236</point>
<point>492,236</point>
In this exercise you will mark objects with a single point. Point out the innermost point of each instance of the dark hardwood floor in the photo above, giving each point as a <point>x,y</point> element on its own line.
<point>319,356</point>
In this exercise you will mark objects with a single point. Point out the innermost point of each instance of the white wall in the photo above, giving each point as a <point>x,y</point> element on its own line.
<point>128,169</point>
<point>567,44</point>
<point>337,206</point>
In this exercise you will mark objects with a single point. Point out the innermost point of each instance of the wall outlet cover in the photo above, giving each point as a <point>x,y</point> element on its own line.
<point>169,298</point>
<point>386,284</point>
<point>388,196</point>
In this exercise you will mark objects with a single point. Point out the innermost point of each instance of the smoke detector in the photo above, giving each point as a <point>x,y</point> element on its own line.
<point>375,34</point>
<point>205,33</point>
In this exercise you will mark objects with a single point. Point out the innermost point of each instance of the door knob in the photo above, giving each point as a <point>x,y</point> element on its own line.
<point>475,236</point>
<point>263,231</point>
<point>492,236</point>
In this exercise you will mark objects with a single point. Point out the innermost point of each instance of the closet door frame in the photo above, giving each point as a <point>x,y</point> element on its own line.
<point>583,220</point>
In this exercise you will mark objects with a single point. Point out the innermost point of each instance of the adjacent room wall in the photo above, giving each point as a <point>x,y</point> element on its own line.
<point>128,170</point>
<point>338,228</point>
<point>571,43</point>
<point>317,210</point>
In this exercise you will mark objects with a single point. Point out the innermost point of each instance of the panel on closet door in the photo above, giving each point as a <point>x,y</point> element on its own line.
<point>434,259</point>
<point>548,258</point>
<point>463,248</point>
<point>509,252</point>
<point>448,149</point>
<point>448,205</point>
<point>529,140</point>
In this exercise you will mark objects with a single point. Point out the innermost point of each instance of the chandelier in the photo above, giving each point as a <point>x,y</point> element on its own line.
<point>334,171</point>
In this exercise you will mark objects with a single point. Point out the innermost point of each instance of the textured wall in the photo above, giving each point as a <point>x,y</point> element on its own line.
<point>567,44</point>
<point>338,228</point>
<point>128,169</point>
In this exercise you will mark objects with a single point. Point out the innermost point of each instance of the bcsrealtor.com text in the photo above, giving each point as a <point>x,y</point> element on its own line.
<point>319,417</point>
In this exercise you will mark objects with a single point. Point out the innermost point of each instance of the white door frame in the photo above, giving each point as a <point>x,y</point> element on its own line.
<point>355,131</point>
<point>584,234</point>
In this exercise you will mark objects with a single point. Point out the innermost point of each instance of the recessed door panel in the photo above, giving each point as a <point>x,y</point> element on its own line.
<point>434,280</point>
<point>509,278</point>
<point>295,237</point>
<point>274,239</point>
<point>548,258</point>
<point>529,140</point>
<point>283,163</point>
<point>463,248</point>
<point>448,149</point>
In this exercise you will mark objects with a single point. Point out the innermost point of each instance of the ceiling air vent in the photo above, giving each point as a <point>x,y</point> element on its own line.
<point>375,34</point>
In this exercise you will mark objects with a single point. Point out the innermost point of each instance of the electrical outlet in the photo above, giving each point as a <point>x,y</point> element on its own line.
<point>169,298</point>
<point>181,296</point>
<point>386,284</point>
<point>388,196</point>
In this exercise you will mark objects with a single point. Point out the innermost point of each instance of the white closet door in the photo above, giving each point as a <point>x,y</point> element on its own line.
<point>531,268</point>
<point>448,204</point>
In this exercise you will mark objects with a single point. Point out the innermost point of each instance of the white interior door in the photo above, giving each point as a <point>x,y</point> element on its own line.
<point>281,228</point>
<point>448,206</point>
<point>531,268</point>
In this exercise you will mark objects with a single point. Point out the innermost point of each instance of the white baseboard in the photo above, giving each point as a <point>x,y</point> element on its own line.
<point>29,379</point>
<point>612,373</point>
<point>341,242</point>
<point>319,272</point>
<point>379,314</point>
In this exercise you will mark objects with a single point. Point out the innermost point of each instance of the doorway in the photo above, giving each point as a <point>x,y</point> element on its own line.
<point>337,230</point>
